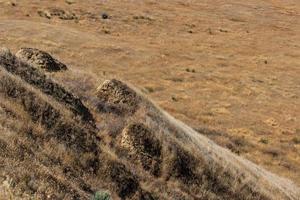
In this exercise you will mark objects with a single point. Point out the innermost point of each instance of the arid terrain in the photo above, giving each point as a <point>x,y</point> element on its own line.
<point>230,70</point>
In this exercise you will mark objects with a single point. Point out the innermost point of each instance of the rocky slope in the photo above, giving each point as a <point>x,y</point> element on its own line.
<point>56,144</point>
<point>230,66</point>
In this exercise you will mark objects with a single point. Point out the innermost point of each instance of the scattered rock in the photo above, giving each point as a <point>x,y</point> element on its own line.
<point>57,12</point>
<point>40,59</point>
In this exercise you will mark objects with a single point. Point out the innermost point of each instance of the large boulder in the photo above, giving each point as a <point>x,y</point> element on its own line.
<point>115,96</point>
<point>40,59</point>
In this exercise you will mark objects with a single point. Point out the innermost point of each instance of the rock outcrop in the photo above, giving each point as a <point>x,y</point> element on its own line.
<point>40,59</point>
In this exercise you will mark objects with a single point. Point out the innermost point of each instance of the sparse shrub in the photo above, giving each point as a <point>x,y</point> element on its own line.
<point>190,70</point>
<point>102,195</point>
<point>296,140</point>
<point>175,79</point>
<point>174,99</point>
<point>149,89</point>
<point>273,152</point>
<point>264,140</point>
<point>240,141</point>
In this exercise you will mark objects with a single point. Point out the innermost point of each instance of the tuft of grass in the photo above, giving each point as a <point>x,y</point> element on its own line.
<point>102,195</point>
<point>149,89</point>
<point>275,152</point>
<point>174,99</point>
<point>296,140</point>
<point>190,70</point>
<point>264,140</point>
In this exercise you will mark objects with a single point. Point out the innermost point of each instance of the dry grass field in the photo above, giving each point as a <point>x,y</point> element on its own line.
<point>228,69</point>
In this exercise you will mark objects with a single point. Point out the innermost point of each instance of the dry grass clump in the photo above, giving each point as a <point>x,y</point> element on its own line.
<point>125,183</point>
<point>181,164</point>
<point>40,59</point>
<point>143,146</point>
<point>205,179</point>
<point>57,125</point>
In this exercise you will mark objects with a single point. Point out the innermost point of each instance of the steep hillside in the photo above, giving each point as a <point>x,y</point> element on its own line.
<point>59,144</point>
<point>230,66</point>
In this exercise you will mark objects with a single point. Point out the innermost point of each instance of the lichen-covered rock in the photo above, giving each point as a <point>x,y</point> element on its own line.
<point>40,59</point>
<point>115,96</point>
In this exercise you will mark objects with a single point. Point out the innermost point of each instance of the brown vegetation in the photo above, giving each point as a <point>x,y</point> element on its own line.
<point>48,152</point>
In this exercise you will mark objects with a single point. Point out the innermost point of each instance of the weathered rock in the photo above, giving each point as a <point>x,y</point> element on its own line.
<point>40,59</point>
<point>115,96</point>
<point>57,12</point>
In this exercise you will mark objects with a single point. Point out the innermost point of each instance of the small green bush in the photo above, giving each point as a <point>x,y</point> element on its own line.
<point>101,195</point>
